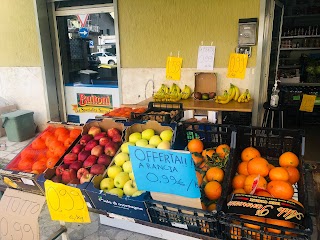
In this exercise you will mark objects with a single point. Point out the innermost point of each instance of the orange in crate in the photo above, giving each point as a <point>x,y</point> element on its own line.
<point>259,166</point>
<point>67,143</point>
<point>294,174</point>
<point>279,173</point>
<point>49,140</point>
<point>222,150</point>
<point>59,150</point>
<point>51,162</point>
<point>61,130</point>
<point>248,184</point>
<point>243,168</point>
<point>213,190</point>
<point>249,153</point>
<point>215,174</point>
<point>280,189</point>
<point>46,134</point>
<point>74,133</point>
<point>38,143</point>
<point>63,137</point>
<point>25,164</point>
<point>39,166</point>
<point>288,159</point>
<point>238,181</point>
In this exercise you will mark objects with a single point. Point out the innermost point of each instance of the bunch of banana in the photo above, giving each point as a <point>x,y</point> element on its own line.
<point>186,92</point>
<point>232,93</point>
<point>244,97</point>
<point>175,94</point>
<point>160,95</point>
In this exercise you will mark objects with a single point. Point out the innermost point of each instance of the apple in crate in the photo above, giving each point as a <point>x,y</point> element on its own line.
<point>110,149</point>
<point>86,178</point>
<point>97,169</point>
<point>164,145</point>
<point>147,134</point>
<point>121,158</point>
<point>121,179</point>
<point>76,165</point>
<point>104,141</point>
<point>104,159</point>
<point>134,137</point>
<point>97,150</point>
<point>60,169</point>
<point>85,139</point>
<point>113,171</point>
<point>81,172</point>
<point>83,155</point>
<point>90,145</point>
<point>127,167</point>
<point>113,132</point>
<point>130,187</point>
<point>107,184</point>
<point>98,136</point>
<point>166,135</point>
<point>141,143</point>
<point>77,148</point>
<point>91,160</point>
<point>69,176</point>
<point>125,147</point>
<point>70,158</point>
<point>155,140</point>
<point>94,130</point>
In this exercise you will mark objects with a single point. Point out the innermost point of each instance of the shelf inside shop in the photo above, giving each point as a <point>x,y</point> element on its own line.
<point>300,49</point>
<point>301,36</point>
<point>303,15</point>
<point>289,67</point>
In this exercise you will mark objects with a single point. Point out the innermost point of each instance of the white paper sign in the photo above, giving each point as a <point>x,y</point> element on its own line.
<point>206,57</point>
<point>19,215</point>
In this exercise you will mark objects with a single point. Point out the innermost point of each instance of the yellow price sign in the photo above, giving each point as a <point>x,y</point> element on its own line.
<point>237,65</point>
<point>307,103</point>
<point>173,68</point>
<point>66,203</point>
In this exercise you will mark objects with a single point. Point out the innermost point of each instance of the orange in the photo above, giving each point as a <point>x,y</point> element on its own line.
<point>199,177</point>
<point>280,189</point>
<point>39,166</point>
<point>63,137</point>
<point>279,173</point>
<point>279,223</point>
<point>197,158</point>
<point>215,174</point>
<point>212,207</point>
<point>49,154</point>
<point>74,133</point>
<point>271,166</point>
<point>59,151</point>
<point>53,145</point>
<point>259,166</point>
<point>67,143</point>
<point>294,174</point>
<point>60,130</point>
<point>45,134</point>
<point>222,150</point>
<point>239,190</point>
<point>248,183</point>
<point>253,218</point>
<point>195,145</point>
<point>25,164</point>
<point>51,162</point>
<point>38,143</point>
<point>50,139</point>
<point>213,190</point>
<point>288,159</point>
<point>238,181</point>
<point>204,166</point>
<point>249,153</point>
<point>208,153</point>
<point>262,193</point>
<point>243,168</point>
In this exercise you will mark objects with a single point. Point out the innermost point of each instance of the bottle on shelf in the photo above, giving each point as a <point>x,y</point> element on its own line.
<point>274,100</point>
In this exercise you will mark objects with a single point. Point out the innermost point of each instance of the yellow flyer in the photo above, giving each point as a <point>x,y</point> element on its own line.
<point>66,203</point>
<point>237,65</point>
<point>307,103</point>
<point>173,68</point>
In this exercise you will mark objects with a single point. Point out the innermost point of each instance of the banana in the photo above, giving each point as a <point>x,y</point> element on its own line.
<point>186,93</point>
<point>225,101</point>
<point>231,91</point>
<point>248,96</point>
<point>9,182</point>
<point>236,96</point>
<point>242,97</point>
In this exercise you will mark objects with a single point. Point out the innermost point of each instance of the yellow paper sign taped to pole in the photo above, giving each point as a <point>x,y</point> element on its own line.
<point>66,203</point>
<point>307,103</point>
<point>173,68</point>
<point>237,65</point>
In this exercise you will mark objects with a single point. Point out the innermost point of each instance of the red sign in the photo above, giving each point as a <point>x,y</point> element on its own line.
<point>83,19</point>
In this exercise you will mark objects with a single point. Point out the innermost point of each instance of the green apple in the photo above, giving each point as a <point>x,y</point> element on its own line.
<point>147,134</point>
<point>124,147</point>
<point>106,184</point>
<point>134,137</point>
<point>166,135</point>
<point>155,140</point>
<point>130,187</point>
<point>121,179</point>
<point>117,191</point>
<point>121,158</point>
<point>141,143</point>
<point>131,176</point>
<point>113,171</point>
<point>164,145</point>
<point>127,167</point>
<point>137,193</point>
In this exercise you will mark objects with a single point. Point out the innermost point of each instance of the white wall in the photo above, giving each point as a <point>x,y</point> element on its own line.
<point>24,87</point>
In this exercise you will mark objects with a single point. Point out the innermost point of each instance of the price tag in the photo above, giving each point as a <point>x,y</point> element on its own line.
<point>206,57</point>
<point>237,65</point>
<point>66,203</point>
<point>307,103</point>
<point>173,68</point>
<point>19,215</point>
<point>165,171</point>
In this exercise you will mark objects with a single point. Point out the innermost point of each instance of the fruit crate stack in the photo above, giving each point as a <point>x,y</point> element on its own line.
<point>275,146</point>
<point>213,155</point>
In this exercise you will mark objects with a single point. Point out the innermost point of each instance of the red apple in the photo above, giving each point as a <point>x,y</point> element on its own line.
<point>82,171</point>
<point>97,150</point>
<point>99,135</point>
<point>77,148</point>
<point>68,176</point>
<point>113,132</point>
<point>86,178</point>
<point>85,139</point>
<point>76,165</point>
<point>117,138</point>
<point>110,149</point>
<point>94,130</point>
<point>97,169</point>
<point>91,160</point>
<point>56,178</point>
<point>104,159</point>
<point>70,158</point>
<point>60,169</point>
<point>91,144</point>
<point>83,155</point>
<point>104,141</point>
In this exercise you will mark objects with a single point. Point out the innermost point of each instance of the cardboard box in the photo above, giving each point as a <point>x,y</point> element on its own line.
<point>205,83</point>
<point>27,181</point>
<point>5,109</point>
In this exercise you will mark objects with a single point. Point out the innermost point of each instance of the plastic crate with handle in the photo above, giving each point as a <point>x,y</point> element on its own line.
<point>271,143</point>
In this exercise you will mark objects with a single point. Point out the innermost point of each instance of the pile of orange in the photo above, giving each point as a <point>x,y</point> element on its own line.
<point>209,170</point>
<point>46,150</point>
<point>124,112</point>
<point>255,175</point>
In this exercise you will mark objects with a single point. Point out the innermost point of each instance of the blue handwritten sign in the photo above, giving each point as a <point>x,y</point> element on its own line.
<point>165,171</point>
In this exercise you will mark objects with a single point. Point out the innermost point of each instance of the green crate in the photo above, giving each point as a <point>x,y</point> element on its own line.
<point>19,125</point>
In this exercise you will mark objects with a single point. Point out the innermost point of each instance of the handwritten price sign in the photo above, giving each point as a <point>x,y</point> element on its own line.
<point>66,203</point>
<point>237,65</point>
<point>19,215</point>
<point>165,171</point>
<point>307,103</point>
<point>173,68</point>
<point>206,57</point>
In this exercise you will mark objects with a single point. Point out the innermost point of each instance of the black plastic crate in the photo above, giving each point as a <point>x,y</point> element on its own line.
<point>191,219</point>
<point>237,118</point>
<point>271,143</point>
<point>154,112</point>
